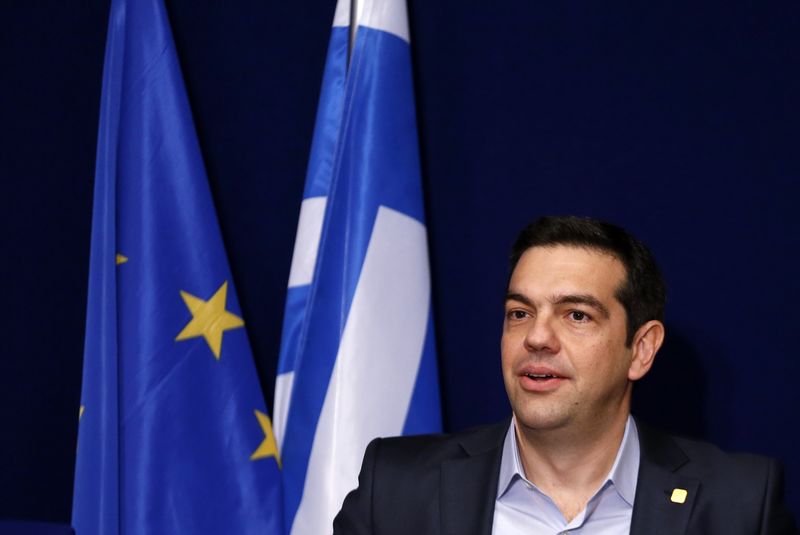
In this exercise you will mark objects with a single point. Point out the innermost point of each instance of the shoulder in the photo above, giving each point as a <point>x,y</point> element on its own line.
<point>704,460</point>
<point>740,490</point>
<point>711,456</point>
<point>400,482</point>
<point>424,451</point>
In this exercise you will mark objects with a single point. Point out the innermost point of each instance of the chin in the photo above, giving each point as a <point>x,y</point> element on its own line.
<point>541,421</point>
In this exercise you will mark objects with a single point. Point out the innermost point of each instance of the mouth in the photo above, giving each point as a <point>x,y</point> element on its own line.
<point>541,376</point>
<point>541,380</point>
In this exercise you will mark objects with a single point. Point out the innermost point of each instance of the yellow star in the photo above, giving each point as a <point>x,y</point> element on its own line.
<point>121,259</point>
<point>80,412</point>
<point>209,319</point>
<point>268,447</point>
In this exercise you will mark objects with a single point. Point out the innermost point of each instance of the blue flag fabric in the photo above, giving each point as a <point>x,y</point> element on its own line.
<point>358,352</point>
<point>174,437</point>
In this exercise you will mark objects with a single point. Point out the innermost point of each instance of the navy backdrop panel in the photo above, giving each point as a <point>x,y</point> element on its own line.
<point>679,120</point>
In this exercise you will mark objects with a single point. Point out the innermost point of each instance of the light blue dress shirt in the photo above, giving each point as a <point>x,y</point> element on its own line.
<point>522,508</point>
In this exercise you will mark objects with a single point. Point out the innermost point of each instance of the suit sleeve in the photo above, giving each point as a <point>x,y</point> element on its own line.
<point>776,519</point>
<point>355,518</point>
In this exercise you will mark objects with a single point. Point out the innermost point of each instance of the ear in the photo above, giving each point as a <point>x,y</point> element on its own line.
<point>646,343</point>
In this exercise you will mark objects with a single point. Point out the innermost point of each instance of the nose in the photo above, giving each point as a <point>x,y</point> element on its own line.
<point>541,336</point>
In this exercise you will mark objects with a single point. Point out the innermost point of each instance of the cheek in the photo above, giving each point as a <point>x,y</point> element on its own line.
<point>602,360</point>
<point>505,353</point>
<point>511,350</point>
<point>511,340</point>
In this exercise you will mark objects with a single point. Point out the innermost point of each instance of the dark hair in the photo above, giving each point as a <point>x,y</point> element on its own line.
<point>642,294</point>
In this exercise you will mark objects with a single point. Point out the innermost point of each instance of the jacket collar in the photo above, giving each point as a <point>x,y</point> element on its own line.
<point>664,498</point>
<point>469,484</point>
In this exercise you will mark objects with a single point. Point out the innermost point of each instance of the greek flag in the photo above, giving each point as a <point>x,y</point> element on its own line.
<point>358,351</point>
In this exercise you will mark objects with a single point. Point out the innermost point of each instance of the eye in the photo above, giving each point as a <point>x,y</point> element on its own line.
<point>516,314</point>
<point>579,316</point>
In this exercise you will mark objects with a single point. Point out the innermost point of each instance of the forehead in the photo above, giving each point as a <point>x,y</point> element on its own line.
<point>561,269</point>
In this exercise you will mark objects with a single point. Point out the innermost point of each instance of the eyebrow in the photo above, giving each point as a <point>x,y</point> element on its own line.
<point>577,299</point>
<point>519,297</point>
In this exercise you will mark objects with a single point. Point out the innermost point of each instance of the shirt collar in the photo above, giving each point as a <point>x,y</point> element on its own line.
<point>623,474</point>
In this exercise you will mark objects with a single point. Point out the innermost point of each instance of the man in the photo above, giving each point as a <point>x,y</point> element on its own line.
<point>583,322</point>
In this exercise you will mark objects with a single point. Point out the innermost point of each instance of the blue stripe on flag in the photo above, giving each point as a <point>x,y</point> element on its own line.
<point>294,312</point>
<point>420,418</point>
<point>329,116</point>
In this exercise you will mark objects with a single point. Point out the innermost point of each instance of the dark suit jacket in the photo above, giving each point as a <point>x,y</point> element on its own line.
<point>447,485</point>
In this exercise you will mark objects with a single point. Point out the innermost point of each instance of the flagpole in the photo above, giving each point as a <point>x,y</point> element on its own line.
<point>353,28</point>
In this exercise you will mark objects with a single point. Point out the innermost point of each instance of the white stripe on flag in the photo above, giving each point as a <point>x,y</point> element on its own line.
<point>306,243</point>
<point>376,366</point>
<point>280,411</point>
<point>387,15</point>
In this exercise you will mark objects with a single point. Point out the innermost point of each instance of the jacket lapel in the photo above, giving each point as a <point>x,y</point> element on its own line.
<point>658,508</point>
<point>469,484</point>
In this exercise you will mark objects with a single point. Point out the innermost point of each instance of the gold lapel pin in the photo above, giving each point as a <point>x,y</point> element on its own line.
<point>678,496</point>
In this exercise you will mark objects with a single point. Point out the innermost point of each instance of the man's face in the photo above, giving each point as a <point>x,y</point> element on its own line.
<point>563,346</point>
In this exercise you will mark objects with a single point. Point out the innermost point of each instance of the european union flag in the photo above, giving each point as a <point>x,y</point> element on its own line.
<point>358,354</point>
<point>174,437</point>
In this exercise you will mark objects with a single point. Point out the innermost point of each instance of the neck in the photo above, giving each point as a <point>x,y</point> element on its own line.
<point>571,463</point>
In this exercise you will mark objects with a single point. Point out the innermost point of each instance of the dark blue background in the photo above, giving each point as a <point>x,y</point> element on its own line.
<point>679,120</point>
